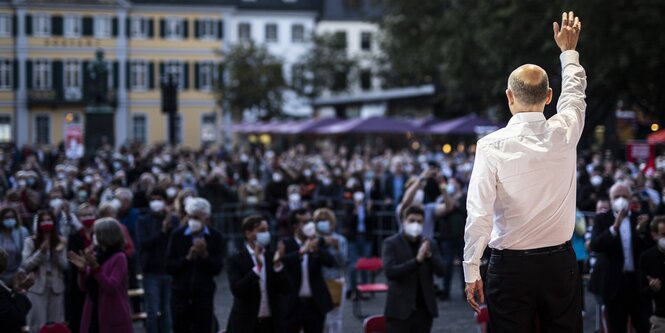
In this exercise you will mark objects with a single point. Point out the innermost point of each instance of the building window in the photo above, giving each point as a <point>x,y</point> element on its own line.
<point>41,74</point>
<point>297,33</point>
<point>366,80</point>
<point>42,129</point>
<point>6,74</point>
<point>73,78</point>
<point>5,25</point>
<point>206,75</point>
<point>103,26</point>
<point>244,32</point>
<point>139,128</point>
<point>366,41</point>
<point>208,128</point>
<point>5,128</point>
<point>138,75</point>
<point>208,29</point>
<point>41,25</point>
<point>271,32</point>
<point>340,37</point>
<point>174,28</point>
<point>174,67</point>
<point>72,26</point>
<point>298,76</point>
<point>139,27</point>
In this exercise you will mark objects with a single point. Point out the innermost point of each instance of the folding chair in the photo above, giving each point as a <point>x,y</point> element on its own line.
<point>372,265</point>
<point>374,324</point>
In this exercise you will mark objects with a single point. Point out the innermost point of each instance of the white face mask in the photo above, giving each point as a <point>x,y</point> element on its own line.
<point>171,192</point>
<point>413,229</point>
<point>323,227</point>
<point>596,180</point>
<point>263,239</point>
<point>294,197</point>
<point>619,204</point>
<point>195,225</point>
<point>451,189</point>
<point>254,182</point>
<point>277,177</point>
<point>358,197</point>
<point>56,203</point>
<point>309,229</point>
<point>157,205</point>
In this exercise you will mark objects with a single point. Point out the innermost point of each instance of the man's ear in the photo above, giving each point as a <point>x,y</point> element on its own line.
<point>511,98</point>
<point>549,96</point>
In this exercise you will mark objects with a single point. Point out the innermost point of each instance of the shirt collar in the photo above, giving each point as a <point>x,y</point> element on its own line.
<point>526,117</point>
<point>206,232</point>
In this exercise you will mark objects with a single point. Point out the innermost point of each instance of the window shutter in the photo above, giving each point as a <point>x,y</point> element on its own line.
<point>58,78</point>
<point>197,29</point>
<point>162,68</point>
<point>87,26</point>
<point>28,73</point>
<point>116,74</point>
<point>185,73</point>
<point>114,27</point>
<point>128,67</point>
<point>185,28</point>
<point>86,77</point>
<point>220,29</point>
<point>14,25</point>
<point>151,28</point>
<point>15,71</point>
<point>128,27</point>
<point>56,25</point>
<point>197,76</point>
<point>151,75</point>
<point>28,25</point>
<point>162,28</point>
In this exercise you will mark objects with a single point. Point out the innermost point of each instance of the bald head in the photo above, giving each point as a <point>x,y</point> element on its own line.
<point>529,85</point>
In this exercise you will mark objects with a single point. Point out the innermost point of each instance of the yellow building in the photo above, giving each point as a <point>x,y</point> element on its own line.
<point>47,46</point>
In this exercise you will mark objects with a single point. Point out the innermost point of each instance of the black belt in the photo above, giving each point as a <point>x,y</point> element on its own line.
<point>543,250</point>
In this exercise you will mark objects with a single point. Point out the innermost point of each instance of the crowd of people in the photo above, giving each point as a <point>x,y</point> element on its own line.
<point>76,235</point>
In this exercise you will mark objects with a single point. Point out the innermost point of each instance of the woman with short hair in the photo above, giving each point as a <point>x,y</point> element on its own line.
<point>103,275</point>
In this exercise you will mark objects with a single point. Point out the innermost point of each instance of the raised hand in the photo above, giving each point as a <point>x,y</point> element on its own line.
<point>568,33</point>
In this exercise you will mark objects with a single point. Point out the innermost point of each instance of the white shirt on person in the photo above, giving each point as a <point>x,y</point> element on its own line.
<point>305,289</point>
<point>522,190</point>
<point>264,306</point>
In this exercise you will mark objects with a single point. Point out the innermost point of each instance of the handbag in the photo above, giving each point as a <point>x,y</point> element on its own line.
<point>335,288</point>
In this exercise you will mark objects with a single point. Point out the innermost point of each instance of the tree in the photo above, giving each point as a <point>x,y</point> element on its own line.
<point>251,80</point>
<point>468,48</point>
<point>325,67</point>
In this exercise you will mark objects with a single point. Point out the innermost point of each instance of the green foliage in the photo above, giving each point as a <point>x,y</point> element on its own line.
<point>325,67</point>
<point>469,47</point>
<point>251,79</point>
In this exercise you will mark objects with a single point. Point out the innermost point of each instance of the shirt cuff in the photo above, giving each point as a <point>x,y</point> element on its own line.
<point>569,57</point>
<point>279,268</point>
<point>471,273</point>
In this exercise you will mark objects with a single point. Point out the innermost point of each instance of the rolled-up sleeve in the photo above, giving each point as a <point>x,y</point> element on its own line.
<point>480,207</point>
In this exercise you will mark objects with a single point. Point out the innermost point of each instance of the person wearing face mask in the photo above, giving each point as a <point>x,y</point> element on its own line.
<point>652,275</point>
<point>328,193</point>
<point>618,239</point>
<point>282,215</point>
<point>326,226</point>
<point>451,235</point>
<point>276,192</point>
<point>590,191</point>
<point>79,242</point>
<point>308,301</point>
<point>45,255</point>
<point>250,193</point>
<point>410,262</point>
<point>14,305</point>
<point>12,237</point>
<point>434,210</point>
<point>194,259</point>
<point>257,278</point>
<point>66,223</point>
<point>152,232</point>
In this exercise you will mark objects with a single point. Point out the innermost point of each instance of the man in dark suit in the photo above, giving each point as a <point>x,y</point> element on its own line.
<point>652,275</point>
<point>309,300</point>
<point>619,237</point>
<point>256,278</point>
<point>410,261</point>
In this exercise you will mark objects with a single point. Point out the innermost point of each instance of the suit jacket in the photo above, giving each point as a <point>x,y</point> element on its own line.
<point>13,309</point>
<point>350,227</point>
<point>292,264</point>
<point>246,290</point>
<point>35,261</point>
<point>609,266</point>
<point>404,273</point>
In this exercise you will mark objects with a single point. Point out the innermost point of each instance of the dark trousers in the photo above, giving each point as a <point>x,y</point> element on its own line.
<point>626,304</point>
<point>305,316</point>
<point>265,325</point>
<point>535,289</point>
<point>420,321</point>
<point>192,313</point>
<point>451,249</point>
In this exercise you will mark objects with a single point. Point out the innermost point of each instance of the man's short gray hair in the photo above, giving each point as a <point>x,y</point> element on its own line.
<point>195,206</point>
<point>109,233</point>
<point>124,193</point>
<point>529,94</point>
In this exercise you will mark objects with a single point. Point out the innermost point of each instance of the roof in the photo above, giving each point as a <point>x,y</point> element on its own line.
<point>351,10</point>
<point>377,96</point>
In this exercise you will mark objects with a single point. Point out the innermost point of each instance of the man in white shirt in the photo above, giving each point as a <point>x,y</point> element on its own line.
<point>521,201</point>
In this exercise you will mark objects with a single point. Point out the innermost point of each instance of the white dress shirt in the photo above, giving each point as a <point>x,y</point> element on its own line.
<point>626,243</point>
<point>523,186</point>
<point>264,307</point>
<point>305,289</point>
